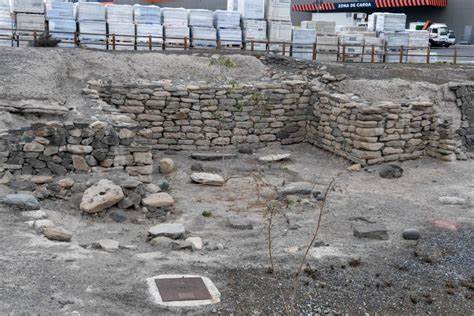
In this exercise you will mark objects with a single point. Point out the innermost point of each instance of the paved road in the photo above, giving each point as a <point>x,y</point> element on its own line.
<point>462,50</point>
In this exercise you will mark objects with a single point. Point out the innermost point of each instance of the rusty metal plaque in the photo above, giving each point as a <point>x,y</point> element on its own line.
<point>182,289</point>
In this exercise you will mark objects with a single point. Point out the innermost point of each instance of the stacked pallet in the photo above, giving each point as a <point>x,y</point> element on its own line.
<point>303,41</point>
<point>175,22</point>
<point>418,41</point>
<point>6,23</point>
<point>387,22</point>
<point>228,28</point>
<point>61,21</point>
<point>147,20</point>
<point>321,27</point>
<point>29,17</point>
<point>203,32</point>
<point>278,15</point>
<point>350,48</point>
<point>373,49</point>
<point>121,26</point>
<point>254,27</point>
<point>92,24</point>
<point>395,42</point>
<point>326,39</point>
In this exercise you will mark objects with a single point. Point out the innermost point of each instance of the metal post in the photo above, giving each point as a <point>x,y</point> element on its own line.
<point>76,42</point>
<point>150,43</point>
<point>455,55</point>
<point>428,53</point>
<point>284,49</point>
<point>17,40</point>
<point>401,54</point>
<point>385,52</point>
<point>252,45</point>
<point>315,52</point>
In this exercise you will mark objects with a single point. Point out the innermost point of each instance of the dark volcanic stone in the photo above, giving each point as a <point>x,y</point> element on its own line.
<point>119,216</point>
<point>411,234</point>
<point>371,231</point>
<point>391,172</point>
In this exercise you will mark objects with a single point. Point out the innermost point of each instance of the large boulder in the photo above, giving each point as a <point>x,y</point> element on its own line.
<point>160,199</point>
<point>22,201</point>
<point>101,196</point>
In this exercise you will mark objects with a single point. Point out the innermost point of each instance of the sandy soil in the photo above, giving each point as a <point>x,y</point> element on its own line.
<point>348,274</point>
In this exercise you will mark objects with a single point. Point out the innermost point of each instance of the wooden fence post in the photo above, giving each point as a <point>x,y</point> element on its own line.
<point>315,52</point>
<point>113,41</point>
<point>343,53</point>
<point>252,45</point>
<point>372,57</point>
<point>150,42</point>
<point>455,56</point>
<point>428,53</point>
<point>401,54</point>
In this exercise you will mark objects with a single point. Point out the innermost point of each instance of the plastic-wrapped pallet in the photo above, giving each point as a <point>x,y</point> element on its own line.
<point>321,27</point>
<point>351,45</point>
<point>303,40</point>
<point>92,33</point>
<point>371,22</point>
<point>31,22</point>
<point>249,9</point>
<point>60,10</point>
<point>254,30</point>
<point>389,22</point>
<point>203,36</point>
<point>378,47</point>
<point>394,42</point>
<point>279,31</point>
<point>146,14</point>
<point>349,29</point>
<point>420,41</point>
<point>175,17</point>
<point>6,23</point>
<point>278,10</point>
<point>64,30</point>
<point>326,47</point>
<point>201,17</point>
<point>28,6</point>
<point>90,11</point>
<point>124,34</point>
<point>143,33</point>
<point>230,36</point>
<point>176,34</point>
<point>226,19</point>
<point>120,13</point>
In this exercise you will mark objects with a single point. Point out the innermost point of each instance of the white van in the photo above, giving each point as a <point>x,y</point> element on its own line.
<point>440,35</point>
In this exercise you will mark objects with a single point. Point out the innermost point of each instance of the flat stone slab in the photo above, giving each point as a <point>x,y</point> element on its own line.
<point>207,178</point>
<point>274,157</point>
<point>296,188</point>
<point>371,231</point>
<point>21,201</point>
<point>171,230</point>
<point>108,245</point>
<point>211,156</point>
<point>188,298</point>
<point>161,199</point>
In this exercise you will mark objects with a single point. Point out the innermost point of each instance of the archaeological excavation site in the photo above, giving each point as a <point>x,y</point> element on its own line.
<point>230,183</point>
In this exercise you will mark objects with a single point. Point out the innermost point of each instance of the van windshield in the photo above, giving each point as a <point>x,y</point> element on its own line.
<point>443,31</point>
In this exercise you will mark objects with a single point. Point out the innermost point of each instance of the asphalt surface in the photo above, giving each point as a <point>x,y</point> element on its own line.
<point>465,53</point>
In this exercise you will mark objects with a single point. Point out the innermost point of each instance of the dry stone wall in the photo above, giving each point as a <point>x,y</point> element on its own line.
<point>56,148</point>
<point>465,101</point>
<point>199,117</point>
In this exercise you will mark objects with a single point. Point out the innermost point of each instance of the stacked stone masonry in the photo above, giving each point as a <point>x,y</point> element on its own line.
<point>59,148</point>
<point>465,101</point>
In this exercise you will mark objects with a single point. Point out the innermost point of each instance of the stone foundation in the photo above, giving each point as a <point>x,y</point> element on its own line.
<point>56,149</point>
<point>465,101</point>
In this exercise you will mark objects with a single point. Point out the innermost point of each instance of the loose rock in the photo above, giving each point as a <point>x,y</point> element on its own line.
<point>160,199</point>
<point>391,172</point>
<point>452,200</point>
<point>296,188</point>
<point>207,178</point>
<point>171,230</point>
<point>54,233</point>
<point>196,242</point>
<point>130,183</point>
<point>101,196</point>
<point>35,214</point>
<point>274,157</point>
<point>161,241</point>
<point>152,188</point>
<point>108,245</point>
<point>167,166</point>
<point>371,231</point>
<point>119,216</point>
<point>40,224</point>
<point>239,223</point>
<point>411,234</point>
<point>22,201</point>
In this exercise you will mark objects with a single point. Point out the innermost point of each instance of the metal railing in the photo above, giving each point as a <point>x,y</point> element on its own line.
<point>333,52</point>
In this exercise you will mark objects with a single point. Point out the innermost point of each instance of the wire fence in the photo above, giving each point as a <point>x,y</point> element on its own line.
<point>337,51</point>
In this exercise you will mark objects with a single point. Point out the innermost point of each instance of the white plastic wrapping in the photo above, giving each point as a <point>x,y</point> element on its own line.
<point>249,9</point>
<point>31,22</point>
<point>203,36</point>
<point>60,10</point>
<point>327,44</point>
<point>64,30</point>
<point>254,30</point>
<point>321,27</point>
<point>418,39</point>
<point>6,25</point>
<point>278,10</point>
<point>176,34</point>
<point>124,33</point>
<point>230,36</point>
<point>303,40</point>
<point>28,6</point>
<point>395,39</point>
<point>279,32</point>
<point>120,13</point>
<point>199,17</point>
<point>143,33</point>
<point>388,22</point>
<point>146,14</point>
<point>226,19</point>
<point>90,11</point>
<point>175,17</point>
<point>91,40</point>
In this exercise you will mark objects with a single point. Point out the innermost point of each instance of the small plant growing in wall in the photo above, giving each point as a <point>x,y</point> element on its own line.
<point>223,61</point>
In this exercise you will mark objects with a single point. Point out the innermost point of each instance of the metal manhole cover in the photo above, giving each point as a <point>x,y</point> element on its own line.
<point>182,289</point>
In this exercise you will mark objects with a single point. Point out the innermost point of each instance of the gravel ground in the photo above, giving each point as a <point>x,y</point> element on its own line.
<point>347,274</point>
